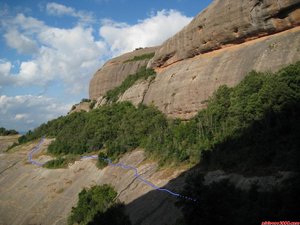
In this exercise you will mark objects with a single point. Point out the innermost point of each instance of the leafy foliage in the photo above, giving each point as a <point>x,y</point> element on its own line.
<point>263,106</point>
<point>141,57</point>
<point>97,206</point>
<point>60,162</point>
<point>5,132</point>
<point>118,127</point>
<point>143,73</point>
<point>102,160</point>
<point>85,100</point>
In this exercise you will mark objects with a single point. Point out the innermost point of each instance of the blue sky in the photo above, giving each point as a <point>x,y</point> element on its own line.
<point>49,50</point>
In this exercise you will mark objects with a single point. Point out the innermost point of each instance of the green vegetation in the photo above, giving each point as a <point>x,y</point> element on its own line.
<point>263,106</point>
<point>98,206</point>
<point>4,132</point>
<point>143,73</point>
<point>92,104</point>
<point>118,128</point>
<point>60,162</point>
<point>141,57</point>
<point>85,100</point>
<point>260,136</point>
<point>102,162</point>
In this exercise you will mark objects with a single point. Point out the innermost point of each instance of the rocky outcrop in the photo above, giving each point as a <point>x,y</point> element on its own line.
<point>137,92</point>
<point>114,72</point>
<point>82,106</point>
<point>180,90</point>
<point>227,22</point>
<point>7,141</point>
<point>219,47</point>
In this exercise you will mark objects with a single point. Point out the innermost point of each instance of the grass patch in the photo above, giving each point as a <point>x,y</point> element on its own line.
<point>141,57</point>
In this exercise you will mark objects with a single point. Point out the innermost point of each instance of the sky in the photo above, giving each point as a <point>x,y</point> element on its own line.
<point>49,50</point>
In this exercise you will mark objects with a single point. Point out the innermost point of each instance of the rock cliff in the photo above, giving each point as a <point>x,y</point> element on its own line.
<point>227,22</point>
<point>116,70</point>
<point>219,47</point>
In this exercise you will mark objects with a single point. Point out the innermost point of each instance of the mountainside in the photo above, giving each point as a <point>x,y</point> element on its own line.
<point>220,46</point>
<point>204,139</point>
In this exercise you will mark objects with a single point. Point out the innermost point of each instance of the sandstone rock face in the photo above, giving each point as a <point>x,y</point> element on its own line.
<point>82,106</point>
<point>228,22</point>
<point>219,47</point>
<point>136,93</point>
<point>181,89</point>
<point>35,195</point>
<point>7,141</point>
<point>114,72</point>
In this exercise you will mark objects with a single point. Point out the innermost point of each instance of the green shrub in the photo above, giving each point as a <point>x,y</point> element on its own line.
<point>85,100</point>
<point>143,73</point>
<point>60,162</point>
<point>5,132</point>
<point>98,205</point>
<point>141,57</point>
<point>102,163</point>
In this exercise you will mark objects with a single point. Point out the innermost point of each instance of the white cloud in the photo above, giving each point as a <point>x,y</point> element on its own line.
<point>5,68</point>
<point>21,116</point>
<point>28,111</point>
<point>61,10</point>
<point>67,55</point>
<point>122,37</point>
<point>72,55</point>
<point>20,42</point>
<point>26,24</point>
<point>58,9</point>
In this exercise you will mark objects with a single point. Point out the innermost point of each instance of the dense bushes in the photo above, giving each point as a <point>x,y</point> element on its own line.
<point>118,128</point>
<point>97,205</point>
<point>143,73</point>
<point>264,105</point>
<point>5,132</point>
